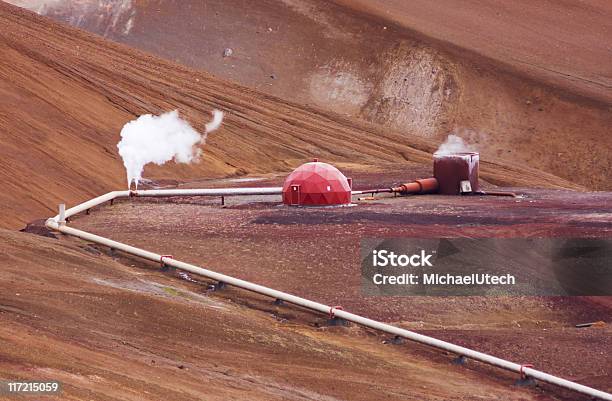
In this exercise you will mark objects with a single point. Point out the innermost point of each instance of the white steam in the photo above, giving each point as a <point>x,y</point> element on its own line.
<point>453,144</point>
<point>215,123</point>
<point>159,139</point>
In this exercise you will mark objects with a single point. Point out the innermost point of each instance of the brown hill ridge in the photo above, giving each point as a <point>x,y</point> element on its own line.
<point>66,94</point>
<point>528,83</point>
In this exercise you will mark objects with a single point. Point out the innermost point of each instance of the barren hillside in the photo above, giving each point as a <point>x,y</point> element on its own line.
<point>109,326</point>
<point>111,332</point>
<point>66,94</point>
<point>564,43</point>
<point>526,82</point>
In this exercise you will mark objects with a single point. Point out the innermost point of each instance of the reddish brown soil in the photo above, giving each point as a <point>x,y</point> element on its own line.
<point>124,331</point>
<point>111,327</point>
<point>315,253</point>
<point>537,37</point>
<point>66,94</point>
<point>527,82</point>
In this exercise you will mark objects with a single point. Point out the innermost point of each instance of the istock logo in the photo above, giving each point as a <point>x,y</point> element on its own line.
<point>383,258</point>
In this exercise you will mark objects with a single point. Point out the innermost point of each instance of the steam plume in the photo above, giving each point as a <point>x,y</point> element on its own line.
<point>159,139</point>
<point>216,121</point>
<point>453,144</point>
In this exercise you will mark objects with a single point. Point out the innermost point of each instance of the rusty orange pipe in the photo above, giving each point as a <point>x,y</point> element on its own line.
<point>421,186</point>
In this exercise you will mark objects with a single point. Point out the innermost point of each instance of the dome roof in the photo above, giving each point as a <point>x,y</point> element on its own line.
<point>316,184</point>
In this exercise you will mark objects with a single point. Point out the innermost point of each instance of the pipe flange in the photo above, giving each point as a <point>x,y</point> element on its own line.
<point>162,257</point>
<point>522,370</point>
<point>333,309</point>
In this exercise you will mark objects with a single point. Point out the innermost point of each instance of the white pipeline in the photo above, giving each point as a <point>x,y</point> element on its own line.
<point>166,193</point>
<point>54,224</point>
<point>210,192</point>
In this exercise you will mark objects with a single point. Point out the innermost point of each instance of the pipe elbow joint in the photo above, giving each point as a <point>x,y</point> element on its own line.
<point>52,223</point>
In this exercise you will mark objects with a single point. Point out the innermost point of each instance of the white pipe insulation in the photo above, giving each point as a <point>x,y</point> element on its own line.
<point>169,192</point>
<point>55,224</point>
<point>210,192</point>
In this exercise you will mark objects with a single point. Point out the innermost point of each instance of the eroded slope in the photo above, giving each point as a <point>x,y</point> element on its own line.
<point>527,83</point>
<point>66,94</point>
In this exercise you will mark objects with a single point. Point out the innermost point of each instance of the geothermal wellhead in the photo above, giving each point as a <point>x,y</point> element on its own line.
<point>454,168</point>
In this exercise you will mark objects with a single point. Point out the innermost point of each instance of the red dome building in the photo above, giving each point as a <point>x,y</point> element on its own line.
<point>316,184</point>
